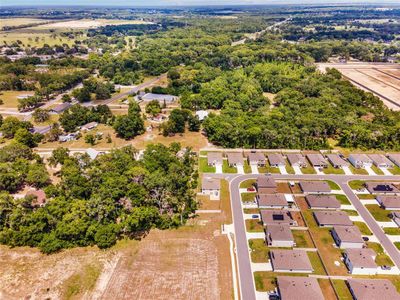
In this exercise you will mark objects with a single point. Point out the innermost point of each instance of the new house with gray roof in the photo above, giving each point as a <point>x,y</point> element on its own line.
<point>389,202</point>
<point>277,217</point>
<point>347,237</point>
<point>360,161</point>
<point>337,161</point>
<point>272,201</point>
<point>297,160</point>
<point>317,160</point>
<point>296,261</point>
<point>256,159</point>
<point>315,187</point>
<point>276,160</point>
<point>279,236</point>
<point>381,161</point>
<point>299,288</point>
<point>332,218</point>
<point>361,261</point>
<point>363,288</point>
<point>322,202</point>
<point>395,158</point>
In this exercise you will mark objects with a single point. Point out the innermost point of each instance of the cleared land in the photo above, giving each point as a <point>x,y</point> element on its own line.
<point>379,78</point>
<point>19,21</point>
<point>87,23</point>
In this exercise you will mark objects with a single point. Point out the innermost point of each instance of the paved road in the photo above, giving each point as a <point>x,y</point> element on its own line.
<point>246,280</point>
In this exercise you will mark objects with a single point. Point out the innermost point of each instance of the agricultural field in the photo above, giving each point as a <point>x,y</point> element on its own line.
<point>20,21</point>
<point>381,79</point>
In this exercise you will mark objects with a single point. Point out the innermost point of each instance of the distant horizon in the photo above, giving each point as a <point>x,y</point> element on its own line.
<point>188,3</point>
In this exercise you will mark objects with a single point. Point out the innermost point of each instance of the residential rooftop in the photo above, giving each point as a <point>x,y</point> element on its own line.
<point>331,218</point>
<point>214,158</point>
<point>299,288</point>
<point>361,258</point>
<point>372,289</point>
<point>317,159</point>
<point>296,159</point>
<point>272,200</point>
<point>315,187</point>
<point>322,201</point>
<point>279,232</point>
<point>291,260</point>
<point>337,161</point>
<point>348,234</point>
<point>390,202</point>
<point>381,187</point>
<point>276,159</point>
<point>277,217</point>
<point>209,183</point>
<point>256,157</point>
<point>235,157</point>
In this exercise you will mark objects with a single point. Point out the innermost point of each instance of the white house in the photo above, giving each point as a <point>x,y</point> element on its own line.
<point>360,160</point>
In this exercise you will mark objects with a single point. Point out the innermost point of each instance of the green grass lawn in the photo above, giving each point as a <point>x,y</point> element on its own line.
<point>248,197</point>
<point>366,196</point>
<point>204,167</point>
<point>377,170</point>
<point>364,229</point>
<point>316,263</point>
<point>395,170</point>
<point>333,185</point>
<point>397,244</point>
<point>382,259</point>
<point>289,168</point>
<point>392,230</point>
<point>254,226</point>
<point>378,213</point>
<point>357,184</point>
<point>342,290</point>
<point>247,183</point>
<point>342,199</point>
<point>302,239</point>
<point>351,212</point>
<point>265,281</point>
<point>308,170</point>
<point>331,170</point>
<point>357,171</point>
<point>268,169</point>
<point>259,251</point>
<point>246,167</point>
<point>227,169</point>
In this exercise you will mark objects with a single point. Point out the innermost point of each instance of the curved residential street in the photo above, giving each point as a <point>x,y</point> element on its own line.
<point>246,278</point>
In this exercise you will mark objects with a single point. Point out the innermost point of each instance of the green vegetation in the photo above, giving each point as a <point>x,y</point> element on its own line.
<point>364,229</point>
<point>357,184</point>
<point>226,168</point>
<point>204,167</point>
<point>395,170</point>
<point>342,290</point>
<point>246,167</point>
<point>92,195</point>
<point>392,230</point>
<point>377,170</point>
<point>331,170</point>
<point>342,199</point>
<point>249,183</point>
<point>333,185</point>
<point>302,239</point>
<point>397,244</point>
<point>378,213</point>
<point>248,197</point>
<point>382,259</point>
<point>308,170</point>
<point>254,225</point>
<point>79,283</point>
<point>358,171</point>
<point>316,262</point>
<point>259,251</point>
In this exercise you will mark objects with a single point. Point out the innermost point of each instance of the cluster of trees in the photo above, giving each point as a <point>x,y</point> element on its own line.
<point>97,202</point>
<point>78,115</point>
<point>177,121</point>
<point>130,125</point>
<point>102,90</point>
<point>20,131</point>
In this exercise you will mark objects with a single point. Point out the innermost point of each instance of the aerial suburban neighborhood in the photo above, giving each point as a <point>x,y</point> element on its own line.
<point>245,150</point>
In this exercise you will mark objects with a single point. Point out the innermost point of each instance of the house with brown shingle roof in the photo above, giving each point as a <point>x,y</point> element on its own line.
<point>363,288</point>
<point>266,185</point>
<point>315,187</point>
<point>347,237</point>
<point>317,160</point>
<point>337,161</point>
<point>214,158</point>
<point>256,159</point>
<point>279,217</point>
<point>276,160</point>
<point>361,261</point>
<point>381,161</point>
<point>389,202</point>
<point>299,288</point>
<point>332,218</point>
<point>272,201</point>
<point>297,160</point>
<point>235,159</point>
<point>322,202</point>
<point>296,261</point>
<point>279,236</point>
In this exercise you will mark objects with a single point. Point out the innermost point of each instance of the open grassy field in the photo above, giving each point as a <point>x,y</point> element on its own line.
<point>10,98</point>
<point>19,21</point>
<point>302,239</point>
<point>259,251</point>
<point>342,290</point>
<point>36,39</point>
<point>88,23</point>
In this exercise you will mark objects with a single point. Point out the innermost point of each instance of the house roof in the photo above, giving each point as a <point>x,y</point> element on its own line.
<point>93,153</point>
<point>389,201</point>
<point>279,232</point>
<point>61,107</point>
<point>256,157</point>
<point>276,217</point>
<point>266,182</point>
<point>214,157</point>
<point>361,157</point>
<point>314,186</point>
<point>276,159</point>
<point>159,97</point>
<point>41,129</point>
<point>373,289</point>
<point>299,288</point>
<point>296,158</point>
<point>209,183</point>
<point>272,200</point>
<point>332,218</point>
<point>89,125</point>
<point>290,260</point>
<point>362,258</point>
<point>349,234</point>
<point>395,157</point>
<point>235,157</point>
<point>322,201</point>
<point>316,159</point>
<point>336,160</point>
<point>381,187</point>
<point>380,159</point>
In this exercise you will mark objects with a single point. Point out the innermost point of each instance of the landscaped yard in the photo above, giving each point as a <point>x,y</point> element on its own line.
<point>342,199</point>
<point>331,170</point>
<point>382,259</point>
<point>247,184</point>
<point>268,169</point>
<point>204,167</point>
<point>351,212</point>
<point>316,262</point>
<point>377,170</point>
<point>259,251</point>
<point>397,244</point>
<point>254,226</point>
<point>366,196</point>
<point>10,98</point>
<point>289,168</point>
<point>302,239</point>
<point>248,197</point>
<point>395,170</point>
<point>392,230</point>
<point>342,290</point>
<point>227,169</point>
<point>364,229</point>
<point>333,185</point>
<point>308,170</point>
<point>357,184</point>
<point>265,281</point>
<point>378,213</point>
<point>358,171</point>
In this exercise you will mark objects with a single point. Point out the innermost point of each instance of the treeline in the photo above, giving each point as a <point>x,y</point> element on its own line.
<point>97,202</point>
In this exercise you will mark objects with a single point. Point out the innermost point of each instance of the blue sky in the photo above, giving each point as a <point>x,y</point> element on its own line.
<point>180,2</point>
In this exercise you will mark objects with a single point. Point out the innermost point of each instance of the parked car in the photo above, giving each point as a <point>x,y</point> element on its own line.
<point>386,267</point>
<point>255,216</point>
<point>251,189</point>
<point>365,238</point>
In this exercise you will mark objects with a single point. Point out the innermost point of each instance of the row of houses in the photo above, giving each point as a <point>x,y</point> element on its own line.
<point>299,160</point>
<point>295,287</point>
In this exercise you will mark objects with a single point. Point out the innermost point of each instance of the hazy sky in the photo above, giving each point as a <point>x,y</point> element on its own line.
<point>180,2</point>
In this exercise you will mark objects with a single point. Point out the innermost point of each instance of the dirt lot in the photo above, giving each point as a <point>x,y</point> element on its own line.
<point>381,79</point>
